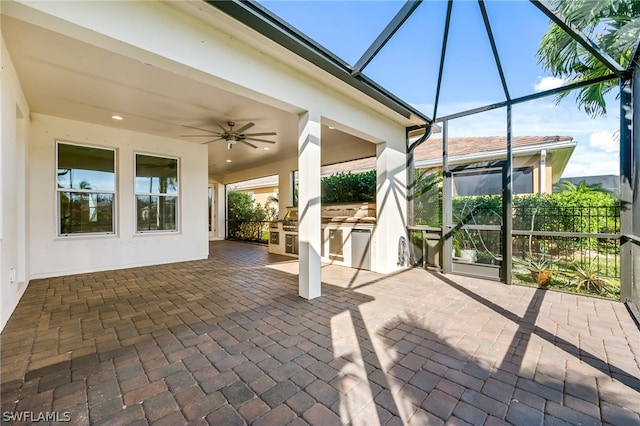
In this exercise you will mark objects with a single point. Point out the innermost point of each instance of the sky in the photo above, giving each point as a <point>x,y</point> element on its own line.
<point>408,67</point>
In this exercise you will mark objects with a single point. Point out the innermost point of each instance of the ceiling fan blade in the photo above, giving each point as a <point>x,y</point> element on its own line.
<point>201,136</point>
<point>260,140</point>
<point>247,143</point>
<point>261,134</point>
<point>224,130</point>
<point>212,140</point>
<point>199,128</point>
<point>243,128</point>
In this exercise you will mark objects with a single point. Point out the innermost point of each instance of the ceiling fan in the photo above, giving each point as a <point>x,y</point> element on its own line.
<point>231,136</point>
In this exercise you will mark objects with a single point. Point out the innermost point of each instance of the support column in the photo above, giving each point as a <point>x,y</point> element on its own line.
<point>391,201</point>
<point>285,191</point>
<point>309,215</point>
<point>627,285</point>
<point>543,172</point>
<point>634,293</point>
<point>218,211</point>
<point>447,197</point>
<point>507,214</point>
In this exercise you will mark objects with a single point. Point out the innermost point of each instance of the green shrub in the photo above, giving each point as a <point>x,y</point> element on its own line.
<point>247,220</point>
<point>349,187</point>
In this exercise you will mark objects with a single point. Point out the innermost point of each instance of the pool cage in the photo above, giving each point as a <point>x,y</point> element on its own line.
<point>593,245</point>
<point>502,235</point>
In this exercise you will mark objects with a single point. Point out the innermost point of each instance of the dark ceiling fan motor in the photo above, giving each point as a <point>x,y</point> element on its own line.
<point>231,136</point>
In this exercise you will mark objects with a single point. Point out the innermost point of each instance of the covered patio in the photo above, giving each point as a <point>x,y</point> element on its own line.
<point>226,340</point>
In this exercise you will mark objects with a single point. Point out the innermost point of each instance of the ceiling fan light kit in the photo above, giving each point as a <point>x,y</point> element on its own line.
<point>231,136</point>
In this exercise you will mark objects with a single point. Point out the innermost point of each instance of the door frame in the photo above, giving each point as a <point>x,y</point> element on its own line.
<point>491,272</point>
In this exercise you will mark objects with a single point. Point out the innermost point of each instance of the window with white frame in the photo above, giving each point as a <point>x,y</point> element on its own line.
<point>156,193</point>
<point>86,189</point>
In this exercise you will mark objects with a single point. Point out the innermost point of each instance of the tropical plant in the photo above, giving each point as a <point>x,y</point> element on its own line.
<point>581,188</point>
<point>247,220</point>
<point>539,268</point>
<point>587,277</point>
<point>613,24</point>
<point>533,264</point>
<point>427,197</point>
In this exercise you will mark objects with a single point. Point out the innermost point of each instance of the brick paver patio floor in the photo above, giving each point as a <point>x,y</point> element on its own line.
<point>227,341</point>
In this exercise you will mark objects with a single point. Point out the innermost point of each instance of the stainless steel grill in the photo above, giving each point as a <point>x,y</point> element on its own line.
<point>290,225</point>
<point>290,221</point>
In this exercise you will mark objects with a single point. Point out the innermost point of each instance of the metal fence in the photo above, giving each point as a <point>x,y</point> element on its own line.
<point>579,219</point>
<point>580,244</point>
<point>570,236</point>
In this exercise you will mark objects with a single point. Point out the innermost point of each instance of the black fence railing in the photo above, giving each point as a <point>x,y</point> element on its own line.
<point>579,245</point>
<point>580,219</point>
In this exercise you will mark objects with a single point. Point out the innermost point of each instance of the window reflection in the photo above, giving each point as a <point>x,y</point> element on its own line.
<point>156,187</point>
<point>489,182</point>
<point>82,167</point>
<point>156,175</point>
<point>86,189</point>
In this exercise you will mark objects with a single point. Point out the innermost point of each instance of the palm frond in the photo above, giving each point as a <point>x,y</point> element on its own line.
<point>613,24</point>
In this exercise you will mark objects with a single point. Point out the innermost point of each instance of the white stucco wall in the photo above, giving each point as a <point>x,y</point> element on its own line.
<point>259,72</point>
<point>13,150</point>
<point>51,255</point>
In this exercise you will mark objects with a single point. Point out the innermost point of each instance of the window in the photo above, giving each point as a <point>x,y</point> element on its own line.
<point>489,182</point>
<point>86,189</point>
<point>157,193</point>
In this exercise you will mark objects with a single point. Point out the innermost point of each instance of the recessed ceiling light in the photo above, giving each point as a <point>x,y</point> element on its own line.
<point>331,127</point>
<point>117,117</point>
<point>266,148</point>
<point>228,161</point>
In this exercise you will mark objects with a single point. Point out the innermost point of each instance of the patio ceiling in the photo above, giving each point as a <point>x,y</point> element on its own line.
<point>79,80</point>
<point>67,77</point>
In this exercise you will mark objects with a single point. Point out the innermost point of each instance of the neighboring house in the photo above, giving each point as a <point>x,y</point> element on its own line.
<point>263,190</point>
<point>538,161</point>
<point>531,155</point>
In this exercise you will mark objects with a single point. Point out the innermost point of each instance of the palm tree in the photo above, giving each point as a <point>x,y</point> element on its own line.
<point>613,24</point>
<point>581,188</point>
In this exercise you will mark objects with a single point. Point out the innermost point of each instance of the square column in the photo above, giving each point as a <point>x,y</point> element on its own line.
<point>309,214</point>
<point>285,194</point>
<point>391,201</point>
<point>220,206</point>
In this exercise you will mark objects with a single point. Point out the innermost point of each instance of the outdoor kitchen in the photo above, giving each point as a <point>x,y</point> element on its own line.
<point>347,234</point>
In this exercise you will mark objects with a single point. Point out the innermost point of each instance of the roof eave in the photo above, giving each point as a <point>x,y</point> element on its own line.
<point>264,22</point>
<point>496,154</point>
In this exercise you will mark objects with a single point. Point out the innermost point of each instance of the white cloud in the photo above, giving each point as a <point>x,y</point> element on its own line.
<point>605,141</point>
<point>595,168</point>
<point>589,161</point>
<point>548,83</point>
<point>538,117</point>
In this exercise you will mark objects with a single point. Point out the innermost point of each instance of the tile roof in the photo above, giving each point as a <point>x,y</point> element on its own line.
<point>432,150</point>
<point>461,146</point>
